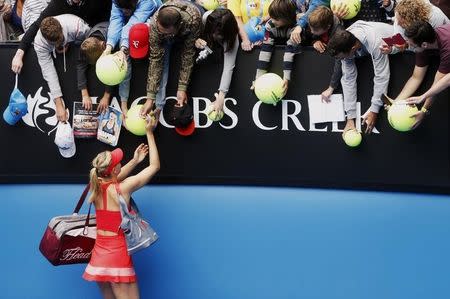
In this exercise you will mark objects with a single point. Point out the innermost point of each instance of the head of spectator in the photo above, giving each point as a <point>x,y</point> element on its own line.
<point>126,6</point>
<point>343,44</point>
<point>52,31</point>
<point>420,36</point>
<point>408,12</point>
<point>92,48</point>
<point>221,28</point>
<point>283,13</point>
<point>320,20</point>
<point>168,21</point>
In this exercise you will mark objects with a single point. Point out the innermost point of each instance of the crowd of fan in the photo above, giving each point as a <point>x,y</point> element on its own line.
<point>104,26</point>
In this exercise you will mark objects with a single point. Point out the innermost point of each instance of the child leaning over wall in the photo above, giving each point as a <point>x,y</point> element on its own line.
<point>278,28</point>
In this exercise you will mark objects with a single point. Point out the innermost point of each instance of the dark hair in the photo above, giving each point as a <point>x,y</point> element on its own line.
<point>283,10</point>
<point>221,26</point>
<point>51,30</point>
<point>341,42</point>
<point>420,32</point>
<point>126,4</point>
<point>169,16</point>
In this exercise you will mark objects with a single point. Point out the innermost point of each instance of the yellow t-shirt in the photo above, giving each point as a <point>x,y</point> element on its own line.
<point>239,8</point>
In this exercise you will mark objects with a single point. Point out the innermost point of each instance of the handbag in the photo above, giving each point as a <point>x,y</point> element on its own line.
<point>69,239</point>
<point>138,232</point>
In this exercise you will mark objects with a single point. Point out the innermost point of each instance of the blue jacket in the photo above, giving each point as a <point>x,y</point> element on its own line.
<point>306,7</point>
<point>119,24</point>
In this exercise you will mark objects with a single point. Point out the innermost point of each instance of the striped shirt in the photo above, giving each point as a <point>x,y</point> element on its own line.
<point>273,33</point>
<point>31,11</point>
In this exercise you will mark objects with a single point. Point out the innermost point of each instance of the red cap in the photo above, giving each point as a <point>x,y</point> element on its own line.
<point>138,39</point>
<point>186,131</point>
<point>116,157</point>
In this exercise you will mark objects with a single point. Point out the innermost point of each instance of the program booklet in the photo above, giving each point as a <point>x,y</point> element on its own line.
<point>320,112</point>
<point>109,125</point>
<point>85,123</point>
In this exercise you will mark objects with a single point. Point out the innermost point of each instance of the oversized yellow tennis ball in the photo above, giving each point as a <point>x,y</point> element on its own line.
<point>135,123</point>
<point>269,88</point>
<point>400,116</point>
<point>352,138</point>
<point>214,115</point>
<point>353,7</point>
<point>111,69</point>
<point>210,4</point>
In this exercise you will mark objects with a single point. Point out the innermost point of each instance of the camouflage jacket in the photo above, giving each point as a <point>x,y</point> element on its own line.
<point>188,32</point>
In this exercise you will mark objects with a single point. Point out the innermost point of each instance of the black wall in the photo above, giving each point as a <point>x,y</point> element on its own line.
<point>244,154</point>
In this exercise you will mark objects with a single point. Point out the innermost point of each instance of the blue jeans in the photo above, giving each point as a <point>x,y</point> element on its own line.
<point>124,86</point>
<point>161,95</point>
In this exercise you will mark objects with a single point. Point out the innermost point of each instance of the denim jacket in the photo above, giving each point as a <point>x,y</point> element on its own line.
<point>120,24</point>
<point>305,7</point>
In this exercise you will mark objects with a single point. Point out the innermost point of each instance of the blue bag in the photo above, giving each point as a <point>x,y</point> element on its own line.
<point>138,233</point>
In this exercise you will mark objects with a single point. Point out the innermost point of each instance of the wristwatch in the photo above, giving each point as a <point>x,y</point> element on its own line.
<point>425,111</point>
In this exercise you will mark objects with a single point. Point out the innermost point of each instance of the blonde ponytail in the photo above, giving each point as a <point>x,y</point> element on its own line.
<point>94,186</point>
<point>99,165</point>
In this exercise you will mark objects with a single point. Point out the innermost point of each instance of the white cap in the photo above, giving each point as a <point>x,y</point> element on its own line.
<point>65,140</point>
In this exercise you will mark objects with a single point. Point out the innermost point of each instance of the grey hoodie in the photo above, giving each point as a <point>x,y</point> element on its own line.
<point>74,29</point>
<point>369,34</point>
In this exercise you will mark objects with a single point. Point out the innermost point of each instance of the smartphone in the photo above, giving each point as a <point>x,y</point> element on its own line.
<point>387,100</point>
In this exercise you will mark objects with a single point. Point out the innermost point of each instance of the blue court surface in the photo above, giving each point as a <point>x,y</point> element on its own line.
<point>247,242</point>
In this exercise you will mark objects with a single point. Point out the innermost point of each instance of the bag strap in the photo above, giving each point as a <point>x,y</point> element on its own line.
<point>17,80</point>
<point>86,224</point>
<point>132,202</point>
<point>134,205</point>
<point>80,204</point>
<point>82,198</point>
